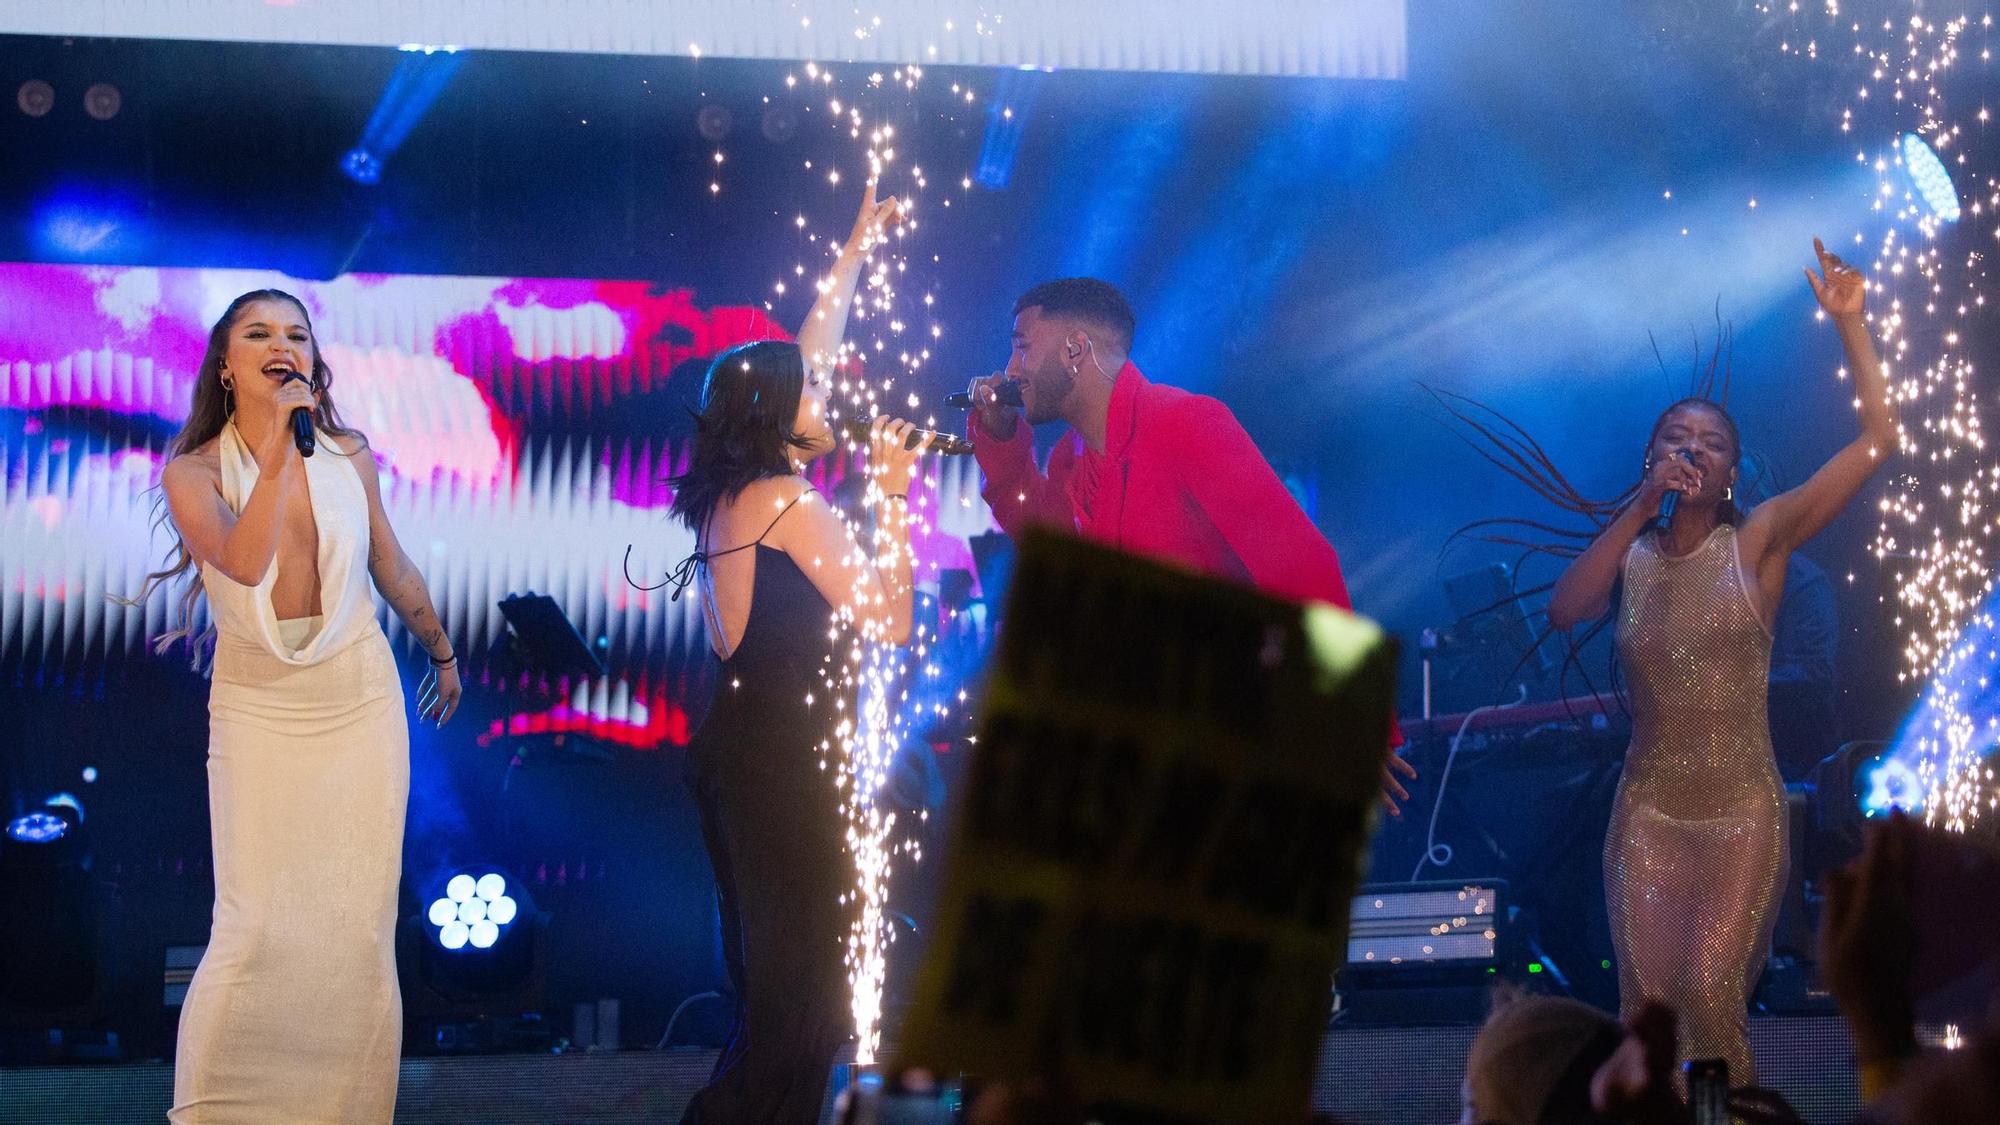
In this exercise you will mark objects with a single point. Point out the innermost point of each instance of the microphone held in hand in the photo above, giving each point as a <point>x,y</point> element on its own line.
<point>302,421</point>
<point>1672,500</point>
<point>1006,394</point>
<point>951,445</point>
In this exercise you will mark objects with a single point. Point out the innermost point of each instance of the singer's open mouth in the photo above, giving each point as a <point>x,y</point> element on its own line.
<point>279,368</point>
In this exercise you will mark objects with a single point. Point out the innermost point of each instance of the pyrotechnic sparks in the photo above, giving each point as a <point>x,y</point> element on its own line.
<point>868,678</point>
<point>1928,276</point>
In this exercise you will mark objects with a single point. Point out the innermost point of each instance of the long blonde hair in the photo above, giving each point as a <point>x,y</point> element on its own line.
<point>213,406</point>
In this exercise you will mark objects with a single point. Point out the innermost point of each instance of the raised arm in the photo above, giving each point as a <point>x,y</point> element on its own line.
<point>1790,518</point>
<point>402,585</point>
<point>826,325</point>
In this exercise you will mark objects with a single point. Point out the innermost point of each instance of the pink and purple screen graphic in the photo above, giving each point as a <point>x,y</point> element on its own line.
<point>525,429</point>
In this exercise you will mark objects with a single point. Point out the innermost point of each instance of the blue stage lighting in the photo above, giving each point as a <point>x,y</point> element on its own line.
<point>1014,94</point>
<point>48,907</point>
<point>473,911</point>
<point>88,223</point>
<point>1886,782</point>
<point>421,74</point>
<point>37,828</point>
<point>1932,180</point>
<point>361,166</point>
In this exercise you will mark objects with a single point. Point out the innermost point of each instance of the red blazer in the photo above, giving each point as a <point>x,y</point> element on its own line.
<point>1178,480</point>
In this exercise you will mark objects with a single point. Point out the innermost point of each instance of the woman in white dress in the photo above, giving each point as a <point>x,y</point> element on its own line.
<point>294,1014</point>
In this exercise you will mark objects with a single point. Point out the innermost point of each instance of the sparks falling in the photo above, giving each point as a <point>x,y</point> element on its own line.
<point>1928,276</point>
<point>867,677</point>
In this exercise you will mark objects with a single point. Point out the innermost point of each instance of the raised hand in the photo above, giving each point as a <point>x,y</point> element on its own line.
<point>871,225</point>
<point>1839,286</point>
<point>277,448</point>
<point>995,417</point>
<point>1668,474</point>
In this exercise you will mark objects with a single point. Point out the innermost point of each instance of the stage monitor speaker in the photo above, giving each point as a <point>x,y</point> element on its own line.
<point>1424,952</point>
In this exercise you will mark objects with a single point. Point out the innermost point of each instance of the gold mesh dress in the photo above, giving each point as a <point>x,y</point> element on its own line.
<point>1696,848</point>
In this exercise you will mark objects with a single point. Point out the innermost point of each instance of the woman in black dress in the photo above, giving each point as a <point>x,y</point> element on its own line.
<point>784,587</point>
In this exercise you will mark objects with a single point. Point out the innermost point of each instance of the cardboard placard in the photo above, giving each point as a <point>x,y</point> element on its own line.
<point>1148,879</point>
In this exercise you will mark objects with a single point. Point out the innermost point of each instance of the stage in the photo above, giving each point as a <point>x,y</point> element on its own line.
<point>1372,1074</point>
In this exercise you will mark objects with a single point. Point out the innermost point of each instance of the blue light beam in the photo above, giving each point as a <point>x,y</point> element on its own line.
<point>420,76</point>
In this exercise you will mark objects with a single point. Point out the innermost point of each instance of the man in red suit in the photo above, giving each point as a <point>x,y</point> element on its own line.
<point>1144,467</point>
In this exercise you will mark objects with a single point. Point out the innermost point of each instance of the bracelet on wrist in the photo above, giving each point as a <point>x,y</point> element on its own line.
<point>445,663</point>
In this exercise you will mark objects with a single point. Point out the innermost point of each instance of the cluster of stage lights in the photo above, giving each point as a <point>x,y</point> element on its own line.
<point>1929,280</point>
<point>37,828</point>
<point>866,678</point>
<point>473,912</point>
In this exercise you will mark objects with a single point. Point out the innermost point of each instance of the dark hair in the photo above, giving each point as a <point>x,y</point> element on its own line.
<point>1098,303</point>
<point>1730,512</point>
<point>1510,447</point>
<point>745,430</point>
<point>213,405</point>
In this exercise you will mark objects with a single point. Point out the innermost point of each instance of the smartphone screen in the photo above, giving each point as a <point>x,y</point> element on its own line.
<point>1708,1091</point>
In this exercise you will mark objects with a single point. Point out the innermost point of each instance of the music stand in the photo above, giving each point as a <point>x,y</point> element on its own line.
<point>544,639</point>
<point>540,640</point>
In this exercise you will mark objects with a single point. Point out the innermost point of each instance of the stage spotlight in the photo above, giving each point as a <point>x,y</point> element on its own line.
<point>473,912</point>
<point>48,917</point>
<point>35,97</point>
<point>1857,782</point>
<point>1886,782</point>
<point>474,931</point>
<point>479,951</point>
<point>421,74</point>
<point>103,101</point>
<point>37,828</point>
<point>1930,177</point>
<point>362,167</point>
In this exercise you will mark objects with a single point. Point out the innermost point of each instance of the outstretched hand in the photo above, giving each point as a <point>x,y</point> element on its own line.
<point>1839,286</point>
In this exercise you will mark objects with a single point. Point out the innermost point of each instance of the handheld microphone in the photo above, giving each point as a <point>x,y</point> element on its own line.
<point>302,421</point>
<point>1671,500</point>
<point>1008,394</point>
<point>951,445</point>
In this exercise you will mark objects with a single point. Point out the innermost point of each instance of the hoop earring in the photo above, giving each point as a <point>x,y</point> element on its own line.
<point>228,398</point>
<point>1729,492</point>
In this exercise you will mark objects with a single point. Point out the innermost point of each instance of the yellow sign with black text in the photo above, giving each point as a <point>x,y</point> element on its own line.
<point>1149,872</point>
